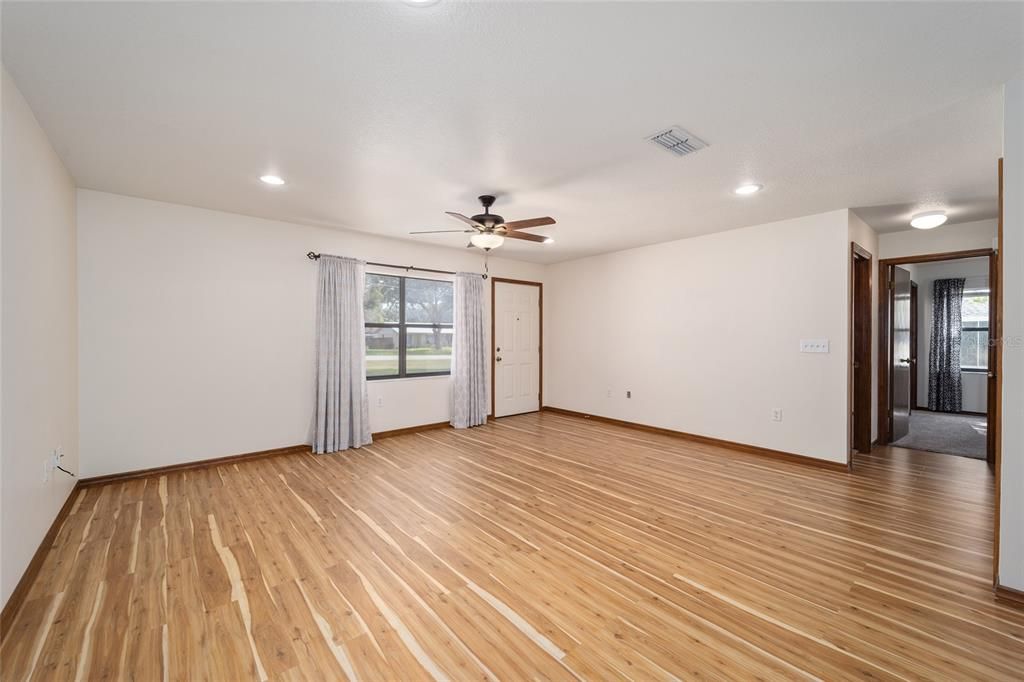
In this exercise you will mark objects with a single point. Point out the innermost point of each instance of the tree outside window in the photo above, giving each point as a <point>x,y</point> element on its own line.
<point>974,330</point>
<point>408,326</point>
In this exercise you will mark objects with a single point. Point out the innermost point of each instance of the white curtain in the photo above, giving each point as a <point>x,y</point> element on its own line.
<point>469,355</point>
<point>341,419</point>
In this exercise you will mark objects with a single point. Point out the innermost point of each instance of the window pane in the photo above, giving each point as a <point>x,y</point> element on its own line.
<point>381,351</point>
<point>428,349</point>
<point>974,349</point>
<point>974,309</point>
<point>428,301</point>
<point>380,302</point>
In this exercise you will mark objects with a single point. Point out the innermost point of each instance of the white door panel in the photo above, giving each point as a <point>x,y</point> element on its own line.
<point>516,348</point>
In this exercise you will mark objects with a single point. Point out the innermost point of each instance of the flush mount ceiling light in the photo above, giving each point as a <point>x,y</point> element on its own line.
<point>420,3</point>
<point>549,240</point>
<point>928,220</point>
<point>749,188</point>
<point>487,240</point>
<point>271,179</point>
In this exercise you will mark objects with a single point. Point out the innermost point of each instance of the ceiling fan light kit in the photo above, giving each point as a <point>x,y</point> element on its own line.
<point>487,240</point>
<point>489,230</point>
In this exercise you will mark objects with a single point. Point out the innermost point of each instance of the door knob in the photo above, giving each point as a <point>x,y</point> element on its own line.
<point>498,359</point>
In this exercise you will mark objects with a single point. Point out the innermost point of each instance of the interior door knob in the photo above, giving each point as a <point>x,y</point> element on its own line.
<point>498,359</point>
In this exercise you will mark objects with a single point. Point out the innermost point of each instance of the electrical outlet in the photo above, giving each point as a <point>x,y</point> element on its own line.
<point>380,402</point>
<point>629,394</point>
<point>776,414</point>
<point>47,469</point>
<point>609,393</point>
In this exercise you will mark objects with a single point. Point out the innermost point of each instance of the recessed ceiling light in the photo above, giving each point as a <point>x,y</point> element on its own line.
<point>749,188</point>
<point>549,240</point>
<point>272,179</point>
<point>420,3</point>
<point>928,220</point>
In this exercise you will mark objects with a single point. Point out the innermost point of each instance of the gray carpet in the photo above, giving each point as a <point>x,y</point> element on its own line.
<point>953,434</point>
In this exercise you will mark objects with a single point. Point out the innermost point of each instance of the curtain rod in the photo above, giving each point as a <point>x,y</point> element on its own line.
<point>315,256</point>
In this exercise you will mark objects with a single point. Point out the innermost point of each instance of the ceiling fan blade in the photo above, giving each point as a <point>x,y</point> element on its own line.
<point>469,221</point>
<point>527,237</point>
<point>439,231</point>
<point>530,222</point>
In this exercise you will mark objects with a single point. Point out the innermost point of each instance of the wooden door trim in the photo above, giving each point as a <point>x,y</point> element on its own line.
<point>996,410</point>
<point>932,257</point>
<point>859,253</point>
<point>885,272</point>
<point>540,339</point>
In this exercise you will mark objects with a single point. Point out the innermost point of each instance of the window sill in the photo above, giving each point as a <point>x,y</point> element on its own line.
<point>383,380</point>
<point>973,370</point>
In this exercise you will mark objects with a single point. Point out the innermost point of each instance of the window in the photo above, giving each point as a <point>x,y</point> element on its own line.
<point>974,330</point>
<point>408,327</point>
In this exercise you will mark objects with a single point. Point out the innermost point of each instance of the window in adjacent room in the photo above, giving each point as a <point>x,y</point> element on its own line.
<point>974,330</point>
<point>408,327</point>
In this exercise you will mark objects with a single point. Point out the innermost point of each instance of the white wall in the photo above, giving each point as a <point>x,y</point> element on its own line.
<point>1011,555</point>
<point>865,237</point>
<point>39,334</point>
<point>197,331</point>
<point>959,237</point>
<point>705,333</point>
<point>975,270</point>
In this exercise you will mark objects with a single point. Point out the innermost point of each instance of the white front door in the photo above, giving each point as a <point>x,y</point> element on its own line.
<point>516,348</point>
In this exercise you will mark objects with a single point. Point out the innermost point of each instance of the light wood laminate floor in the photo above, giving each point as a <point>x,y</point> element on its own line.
<point>540,546</point>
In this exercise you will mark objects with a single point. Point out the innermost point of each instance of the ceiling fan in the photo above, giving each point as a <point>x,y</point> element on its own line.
<point>490,230</point>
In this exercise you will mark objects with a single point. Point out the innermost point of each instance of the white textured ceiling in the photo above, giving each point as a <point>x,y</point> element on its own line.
<point>383,115</point>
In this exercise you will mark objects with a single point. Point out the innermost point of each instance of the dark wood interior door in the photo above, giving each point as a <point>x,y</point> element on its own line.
<point>899,371</point>
<point>861,352</point>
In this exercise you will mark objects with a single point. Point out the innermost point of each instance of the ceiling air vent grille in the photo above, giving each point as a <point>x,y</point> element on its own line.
<point>678,141</point>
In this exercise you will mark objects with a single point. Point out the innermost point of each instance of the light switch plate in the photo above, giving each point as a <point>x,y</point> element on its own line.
<point>813,345</point>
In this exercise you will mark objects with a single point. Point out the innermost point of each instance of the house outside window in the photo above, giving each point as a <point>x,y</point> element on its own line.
<point>408,326</point>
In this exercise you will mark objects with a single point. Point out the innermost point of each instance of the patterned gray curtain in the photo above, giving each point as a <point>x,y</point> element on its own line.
<point>469,355</point>
<point>945,393</point>
<point>341,419</point>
